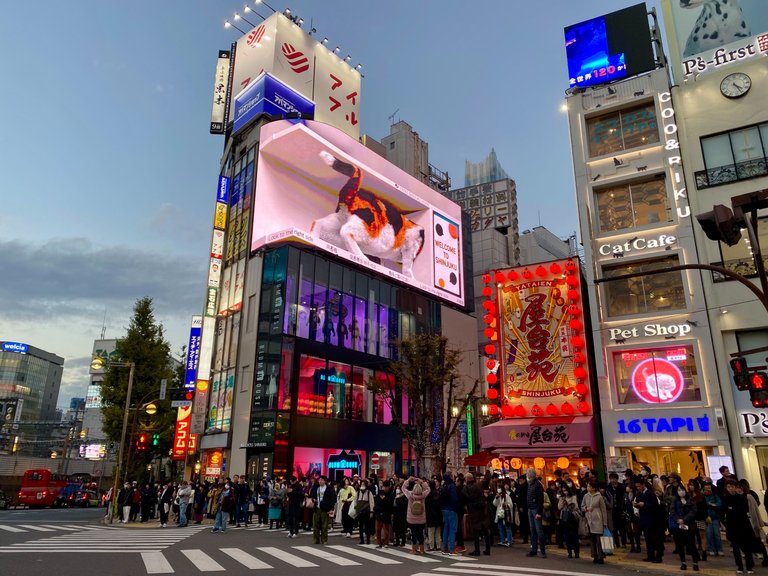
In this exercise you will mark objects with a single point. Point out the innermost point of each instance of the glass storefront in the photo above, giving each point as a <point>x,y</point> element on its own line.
<point>688,463</point>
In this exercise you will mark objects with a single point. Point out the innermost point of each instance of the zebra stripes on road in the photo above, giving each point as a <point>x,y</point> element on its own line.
<point>45,527</point>
<point>293,556</point>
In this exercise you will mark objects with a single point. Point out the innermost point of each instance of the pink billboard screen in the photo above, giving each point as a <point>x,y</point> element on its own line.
<point>318,186</point>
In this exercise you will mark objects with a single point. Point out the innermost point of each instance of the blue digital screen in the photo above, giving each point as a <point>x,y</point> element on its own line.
<point>609,47</point>
<point>268,95</point>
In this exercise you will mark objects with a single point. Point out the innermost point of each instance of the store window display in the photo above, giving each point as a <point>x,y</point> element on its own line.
<point>656,375</point>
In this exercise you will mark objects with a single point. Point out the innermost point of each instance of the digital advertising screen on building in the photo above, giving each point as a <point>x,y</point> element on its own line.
<point>712,35</point>
<point>318,186</point>
<point>537,350</point>
<point>610,47</point>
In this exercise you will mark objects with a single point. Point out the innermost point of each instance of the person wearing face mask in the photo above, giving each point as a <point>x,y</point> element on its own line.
<point>364,508</point>
<point>593,506</point>
<point>755,520</point>
<point>477,510</point>
<point>502,503</point>
<point>682,524</point>
<point>738,529</point>
<point>225,505</point>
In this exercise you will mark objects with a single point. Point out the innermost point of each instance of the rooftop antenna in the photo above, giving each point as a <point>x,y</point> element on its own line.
<point>392,117</point>
<point>104,324</point>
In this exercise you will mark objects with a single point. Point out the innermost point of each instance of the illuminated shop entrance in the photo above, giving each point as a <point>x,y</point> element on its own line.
<point>688,463</point>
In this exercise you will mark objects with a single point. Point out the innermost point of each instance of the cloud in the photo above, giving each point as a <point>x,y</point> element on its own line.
<point>74,380</point>
<point>163,216</point>
<point>70,277</point>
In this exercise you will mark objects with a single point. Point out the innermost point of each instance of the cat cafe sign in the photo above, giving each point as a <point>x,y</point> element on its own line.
<point>636,245</point>
<point>753,423</point>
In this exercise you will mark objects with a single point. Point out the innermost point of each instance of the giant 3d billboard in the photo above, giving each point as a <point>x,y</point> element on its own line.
<point>318,186</point>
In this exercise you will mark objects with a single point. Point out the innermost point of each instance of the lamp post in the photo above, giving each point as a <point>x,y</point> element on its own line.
<point>98,364</point>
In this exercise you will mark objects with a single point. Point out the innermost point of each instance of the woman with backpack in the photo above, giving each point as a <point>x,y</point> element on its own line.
<point>568,510</point>
<point>502,503</point>
<point>364,512</point>
<point>416,514</point>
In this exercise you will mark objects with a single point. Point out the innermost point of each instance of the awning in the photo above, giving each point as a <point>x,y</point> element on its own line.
<point>553,437</point>
<point>482,458</point>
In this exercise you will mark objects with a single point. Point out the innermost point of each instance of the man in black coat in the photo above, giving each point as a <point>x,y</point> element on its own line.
<point>617,492</point>
<point>383,508</point>
<point>477,509</point>
<point>649,507</point>
<point>324,499</point>
<point>535,504</point>
<point>164,503</point>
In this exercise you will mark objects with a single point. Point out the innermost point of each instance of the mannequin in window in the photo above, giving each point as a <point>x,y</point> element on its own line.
<point>313,322</point>
<point>328,328</point>
<point>354,329</point>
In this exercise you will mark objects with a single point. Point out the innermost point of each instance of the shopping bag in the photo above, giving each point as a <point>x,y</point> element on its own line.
<point>352,510</point>
<point>606,541</point>
<point>466,527</point>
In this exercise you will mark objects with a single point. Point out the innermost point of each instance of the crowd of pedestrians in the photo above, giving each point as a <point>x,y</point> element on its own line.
<point>443,513</point>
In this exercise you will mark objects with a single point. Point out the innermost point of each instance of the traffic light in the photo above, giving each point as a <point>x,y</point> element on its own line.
<point>141,443</point>
<point>740,373</point>
<point>155,439</point>
<point>758,389</point>
<point>720,224</point>
<point>182,395</point>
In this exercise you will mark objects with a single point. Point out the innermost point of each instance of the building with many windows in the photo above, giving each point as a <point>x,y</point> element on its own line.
<point>657,372</point>
<point>719,100</point>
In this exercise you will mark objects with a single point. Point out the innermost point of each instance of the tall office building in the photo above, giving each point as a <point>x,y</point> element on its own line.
<point>719,96</point>
<point>487,170</point>
<point>30,378</point>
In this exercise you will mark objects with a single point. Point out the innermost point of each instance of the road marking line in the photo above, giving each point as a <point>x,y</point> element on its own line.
<point>456,558</point>
<point>401,554</point>
<point>202,561</point>
<point>156,563</point>
<point>245,559</point>
<point>287,557</point>
<point>10,528</point>
<point>37,528</point>
<point>56,527</point>
<point>365,555</point>
<point>320,553</point>
<point>504,570</point>
<point>88,527</point>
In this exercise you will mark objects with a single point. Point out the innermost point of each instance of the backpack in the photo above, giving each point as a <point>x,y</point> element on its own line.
<point>417,507</point>
<point>566,516</point>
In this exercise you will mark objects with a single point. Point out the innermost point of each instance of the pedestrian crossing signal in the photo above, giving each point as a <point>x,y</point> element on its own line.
<point>758,389</point>
<point>155,439</point>
<point>740,374</point>
<point>141,443</point>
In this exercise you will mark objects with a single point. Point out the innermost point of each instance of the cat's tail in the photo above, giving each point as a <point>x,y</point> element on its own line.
<point>349,170</point>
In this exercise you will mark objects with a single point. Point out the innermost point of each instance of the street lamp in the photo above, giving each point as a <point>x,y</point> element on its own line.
<point>484,409</point>
<point>99,364</point>
<point>454,411</point>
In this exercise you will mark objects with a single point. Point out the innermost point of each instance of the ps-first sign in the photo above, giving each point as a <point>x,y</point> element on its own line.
<point>267,95</point>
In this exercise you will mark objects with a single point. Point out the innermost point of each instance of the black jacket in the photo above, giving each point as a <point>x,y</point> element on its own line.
<point>535,498</point>
<point>649,511</point>
<point>328,502</point>
<point>384,506</point>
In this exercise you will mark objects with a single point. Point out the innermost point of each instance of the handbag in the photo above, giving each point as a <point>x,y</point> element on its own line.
<point>309,503</point>
<point>606,541</point>
<point>352,512</point>
<point>584,526</point>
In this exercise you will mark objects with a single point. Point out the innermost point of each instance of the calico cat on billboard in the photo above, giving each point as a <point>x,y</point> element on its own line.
<point>318,186</point>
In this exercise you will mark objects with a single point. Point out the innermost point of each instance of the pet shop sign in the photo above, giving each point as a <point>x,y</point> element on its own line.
<point>657,381</point>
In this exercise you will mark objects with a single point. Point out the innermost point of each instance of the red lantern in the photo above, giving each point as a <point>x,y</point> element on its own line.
<point>555,268</point>
<point>486,278</point>
<point>579,358</point>
<point>570,266</point>
<point>487,291</point>
<point>573,295</point>
<point>581,389</point>
<point>572,281</point>
<point>537,411</point>
<point>520,411</point>
<point>490,363</point>
<point>513,275</point>
<point>579,372</point>
<point>491,378</point>
<point>488,319</point>
<point>499,277</point>
<point>493,393</point>
<point>576,324</point>
<point>527,274</point>
<point>490,348</point>
<point>577,342</point>
<point>489,332</point>
<point>567,409</point>
<point>552,410</point>
<point>574,310</point>
<point>507,411</point>
<point>541,272</point>
<point>583,407</point>
<point>493,409</point>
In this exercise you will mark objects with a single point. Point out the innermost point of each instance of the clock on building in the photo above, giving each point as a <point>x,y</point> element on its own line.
<point>735,85</point>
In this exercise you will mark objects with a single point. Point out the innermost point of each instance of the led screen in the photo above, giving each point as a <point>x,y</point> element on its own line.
<point>609,47</point>
<point>317,185</point>
<point>656,375</point>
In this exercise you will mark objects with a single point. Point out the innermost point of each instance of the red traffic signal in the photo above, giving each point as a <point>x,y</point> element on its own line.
<point>741,375</point>
<point>758,389</point>
<point>141,443</point>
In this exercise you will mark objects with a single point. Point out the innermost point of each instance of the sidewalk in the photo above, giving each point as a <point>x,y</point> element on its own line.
<point>714,566</point>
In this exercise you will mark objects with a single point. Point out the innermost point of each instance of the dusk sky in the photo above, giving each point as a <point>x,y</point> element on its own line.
<point>109,172</point>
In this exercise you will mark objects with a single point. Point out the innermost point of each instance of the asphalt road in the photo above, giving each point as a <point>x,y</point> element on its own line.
<point>73,542</point>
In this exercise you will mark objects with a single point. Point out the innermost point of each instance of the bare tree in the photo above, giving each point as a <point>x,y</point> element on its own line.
<point>426,372</point>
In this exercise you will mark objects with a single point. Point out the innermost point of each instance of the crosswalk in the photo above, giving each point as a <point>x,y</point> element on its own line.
<point>460,569</point>
<point>18,528</point>
<point>102,540</point>
<point>274,558</point>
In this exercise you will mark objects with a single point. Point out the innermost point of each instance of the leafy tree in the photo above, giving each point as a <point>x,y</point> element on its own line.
<point>427,373</point>
<point>144,345</point>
